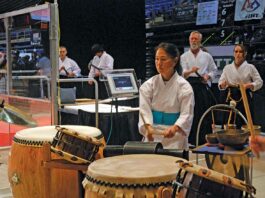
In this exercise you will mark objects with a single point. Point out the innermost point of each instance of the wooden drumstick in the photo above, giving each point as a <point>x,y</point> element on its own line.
<point>249,118</point>
<point>154,132</point>
<point>246,106</point>
<point>232,104</point>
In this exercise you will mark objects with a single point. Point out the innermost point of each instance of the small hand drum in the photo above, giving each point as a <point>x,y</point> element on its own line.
<point>78,144</point>
<point>196,181</point>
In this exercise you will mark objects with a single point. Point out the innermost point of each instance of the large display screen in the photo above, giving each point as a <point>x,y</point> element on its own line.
<point>122,84</point>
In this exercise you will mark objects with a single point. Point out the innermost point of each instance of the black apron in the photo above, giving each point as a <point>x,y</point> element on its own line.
<point>203,101</point>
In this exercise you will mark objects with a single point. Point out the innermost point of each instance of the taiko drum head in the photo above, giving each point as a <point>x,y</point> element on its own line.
<point>47,133</point>
<point>141,169</point>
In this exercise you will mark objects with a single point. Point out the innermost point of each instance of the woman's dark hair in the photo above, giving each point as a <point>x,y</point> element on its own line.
<point>243,47</point>
<point>173,51</point>
<point>97,48</point>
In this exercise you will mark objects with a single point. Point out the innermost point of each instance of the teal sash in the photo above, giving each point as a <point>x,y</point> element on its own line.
<point>160,117</point>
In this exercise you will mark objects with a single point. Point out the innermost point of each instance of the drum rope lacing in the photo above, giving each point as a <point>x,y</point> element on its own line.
<point>151,185</point>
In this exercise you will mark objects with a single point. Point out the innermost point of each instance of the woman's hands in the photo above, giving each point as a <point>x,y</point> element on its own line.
<point>172,130</point>
<point>167,133</point>
<point>149,132</point>
<point>257,144</point>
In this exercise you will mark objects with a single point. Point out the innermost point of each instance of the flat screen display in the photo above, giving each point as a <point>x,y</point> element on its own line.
<point>122,83</point>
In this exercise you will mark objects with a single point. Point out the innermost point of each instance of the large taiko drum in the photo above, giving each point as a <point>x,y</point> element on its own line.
<point>26,173</point>
<point>135,176</point>
<point>196,181</point>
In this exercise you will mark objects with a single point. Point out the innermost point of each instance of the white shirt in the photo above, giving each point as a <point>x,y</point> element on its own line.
<point>245,73</point>
<point>70,66</point>
<point>105,62</point>
<point>203,60</point>
<point>44,64</point>
<point>172,97</point>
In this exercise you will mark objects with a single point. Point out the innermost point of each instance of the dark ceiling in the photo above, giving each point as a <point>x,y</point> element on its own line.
<point>118,24</point>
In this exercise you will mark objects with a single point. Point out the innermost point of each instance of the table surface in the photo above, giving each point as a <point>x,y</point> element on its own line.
<point>215,149</point>
<point>117,128</point>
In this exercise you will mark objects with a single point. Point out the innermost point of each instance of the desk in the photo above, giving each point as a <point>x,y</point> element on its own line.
<point>123,128</point>
<point>132,101</point>
<point>228,161</point>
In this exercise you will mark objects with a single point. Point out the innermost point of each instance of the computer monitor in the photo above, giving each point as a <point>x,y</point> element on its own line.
<point>122,84</point>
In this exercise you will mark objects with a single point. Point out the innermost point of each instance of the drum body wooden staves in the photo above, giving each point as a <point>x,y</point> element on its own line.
<point>26,173</point>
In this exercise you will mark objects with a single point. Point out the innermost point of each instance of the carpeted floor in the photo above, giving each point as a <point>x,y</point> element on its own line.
<point>5,191</point>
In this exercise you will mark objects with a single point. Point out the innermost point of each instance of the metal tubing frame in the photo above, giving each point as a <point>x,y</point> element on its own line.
<point>24,10</point>
<point>237,112</point>
<point>215,107</point>
<point>206,112</point>
<point>36,77</point>
<point>24,71</point>
<point>8,54</point>
<point>54,54</point>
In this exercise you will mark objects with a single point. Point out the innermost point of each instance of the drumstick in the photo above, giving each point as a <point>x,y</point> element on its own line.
<point>155,132</point>
<point>67,73</point>
<point>246,106</point>
<point>233,85</point>
<point>229,118</point>
<point>147,129</point>
<point>232,104</point>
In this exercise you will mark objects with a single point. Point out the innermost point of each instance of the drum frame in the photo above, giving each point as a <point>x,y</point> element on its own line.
<point>61,131</point>
<point>233,184</point>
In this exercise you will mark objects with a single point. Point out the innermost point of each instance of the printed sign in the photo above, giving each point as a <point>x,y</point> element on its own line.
<point>249,9</point>
<point>207,13</point>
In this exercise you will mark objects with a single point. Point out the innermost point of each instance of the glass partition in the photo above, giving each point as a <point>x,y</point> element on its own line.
<point>3,60</point>
<point>25,74</point>
<point>31,67</point>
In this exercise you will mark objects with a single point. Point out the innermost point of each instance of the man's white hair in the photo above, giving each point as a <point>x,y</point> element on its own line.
<point>196,32</point>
